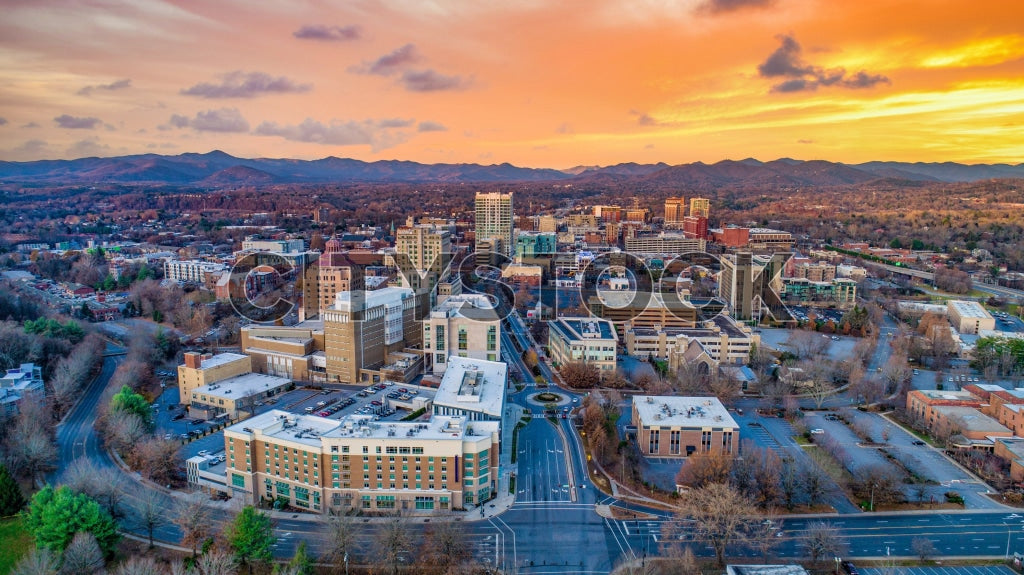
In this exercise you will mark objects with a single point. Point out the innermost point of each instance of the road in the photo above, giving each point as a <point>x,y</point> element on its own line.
<point>553,526</point>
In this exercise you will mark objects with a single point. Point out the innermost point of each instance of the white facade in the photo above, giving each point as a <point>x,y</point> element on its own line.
<point>495,219</point>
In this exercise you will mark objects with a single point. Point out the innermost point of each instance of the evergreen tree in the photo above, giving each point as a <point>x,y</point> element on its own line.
<point>251,536</point>
<point>301,564</point>
<point>128,401</point>
<point>55,515</point>
<point>11,499</point>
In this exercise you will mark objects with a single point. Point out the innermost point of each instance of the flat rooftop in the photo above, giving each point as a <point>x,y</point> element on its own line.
<point>971,419</point>
<point>311,429</point>
<point>370,299</point>
<point>969,309</point>
<point>473,385</point>
<point>242,386</point>
<point>584,328</point>
<point>674,411</point>
<point>222,359</point>
<point>950,395</point>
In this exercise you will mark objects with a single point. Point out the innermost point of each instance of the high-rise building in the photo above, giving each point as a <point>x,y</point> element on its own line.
<point>675,210</point>
<point>700,207</point>
<point>494,220</point>
<point>364,327</point>
<point>335,273</point>
<point>751,285</point>
<point>423,254</point>
<point>695,227</point>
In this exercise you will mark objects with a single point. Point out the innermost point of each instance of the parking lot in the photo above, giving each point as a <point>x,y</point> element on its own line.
<point>965,570</point>
<point>388,402</point>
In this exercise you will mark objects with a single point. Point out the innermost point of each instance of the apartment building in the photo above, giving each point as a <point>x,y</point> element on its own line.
<point>536,244</point>
<point>335,272</point>
<point>324,465</point>
<point>192,271</point>
<point>462,326</point>
<point>672,426</point>
<point>837,292</point>
<point>580,339</point>
<point>652,310</point>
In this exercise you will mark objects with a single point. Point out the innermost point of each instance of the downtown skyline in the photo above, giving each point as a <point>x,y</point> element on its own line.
<point>531,83</point>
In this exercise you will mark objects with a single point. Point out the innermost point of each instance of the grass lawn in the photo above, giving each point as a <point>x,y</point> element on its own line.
<point>16,542</point>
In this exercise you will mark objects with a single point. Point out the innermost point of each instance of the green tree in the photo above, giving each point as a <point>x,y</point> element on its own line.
<point>11,499</point>
<point>301,564</point>
<point>251,536</point>
<point>55,515</point>
<point>128,401</point>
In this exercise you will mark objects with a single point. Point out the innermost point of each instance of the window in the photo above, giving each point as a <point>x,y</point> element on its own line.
<point>705,441</point>
<point>424,502</point>
<point>344,449</point>
<point>385,502</point>
<point>237,480</point>
<point>417,450</point>
<point>653,443</point>
<point>673,444</point>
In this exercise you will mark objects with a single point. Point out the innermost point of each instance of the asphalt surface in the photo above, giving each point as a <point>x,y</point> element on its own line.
<point>553,528</point>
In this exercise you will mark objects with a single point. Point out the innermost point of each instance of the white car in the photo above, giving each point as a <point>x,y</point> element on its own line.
<point>817,431</point>
<point>203,453</point>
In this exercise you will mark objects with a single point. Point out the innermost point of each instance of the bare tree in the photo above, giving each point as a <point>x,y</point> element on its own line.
<point>30,444</point>
<point>340,531</point>
<point>122,430</point>
<point>149,512</point>
<point>104,484</point>
<point>723,517</point>
<point>157,459</point>
<point>815,484</point>
<point>923,547</point>
<point>823,540</point>
<point>38,561</point>
<point>700,470</point>
<point>82,556</point>
<point>580,375</point>
<point>820,384</point>
<point>139,565</point>
<point>216,562</point>
<point>392,545</point>
<point>807,345</point>
<point>192,516</point>
<point>443,549</point>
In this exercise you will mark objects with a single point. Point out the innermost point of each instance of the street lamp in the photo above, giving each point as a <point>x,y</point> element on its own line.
<point>837,566</point>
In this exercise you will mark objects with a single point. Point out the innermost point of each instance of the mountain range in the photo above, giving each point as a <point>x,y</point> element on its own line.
<point>219,169</point>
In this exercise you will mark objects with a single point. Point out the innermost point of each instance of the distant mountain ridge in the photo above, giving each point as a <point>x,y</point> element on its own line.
<point>217,168</point>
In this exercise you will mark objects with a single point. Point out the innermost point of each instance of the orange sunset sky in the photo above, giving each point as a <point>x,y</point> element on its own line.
<point>533,83</point>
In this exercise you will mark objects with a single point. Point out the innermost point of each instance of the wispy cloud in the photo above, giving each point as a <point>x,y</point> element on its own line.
<point>389,64</point>
<point>30,125</point>
<point>375,133</point>
<point>3,121</point>
<point>431,81</point>
<point>329,33</point>
<point>87,147</point>
<point>31,147</point>
<point>240,84</point>
<point>721,6</point>
<point>786,63</point>
<point>117,85</point>
<point>227,120</point>
<point>431,127</point>
<point>75,123</point>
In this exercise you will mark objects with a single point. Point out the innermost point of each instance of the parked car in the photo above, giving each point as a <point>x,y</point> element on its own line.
<point>817,431</point>
<point>178,416</point>
<point>850,568</point>
<point>918,442</point>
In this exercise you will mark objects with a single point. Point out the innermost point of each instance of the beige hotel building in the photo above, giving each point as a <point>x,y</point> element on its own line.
<point>324,464</point>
